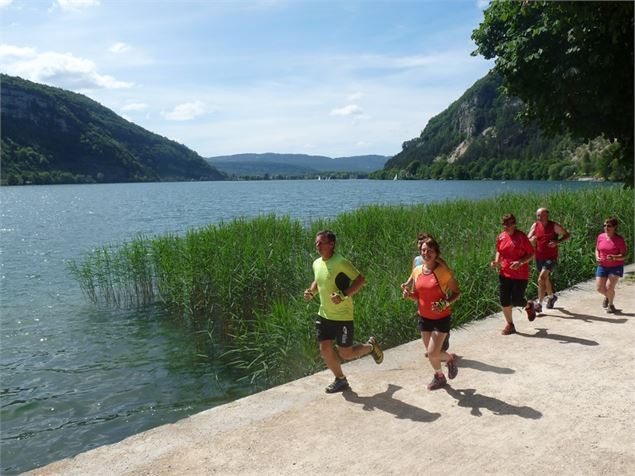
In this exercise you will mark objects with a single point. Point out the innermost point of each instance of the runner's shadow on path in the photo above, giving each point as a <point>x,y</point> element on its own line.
<point>587,318</point>
<point>544,334</point>
<point>482,366</point>
<point>386,401</point>
<point>468,398</point>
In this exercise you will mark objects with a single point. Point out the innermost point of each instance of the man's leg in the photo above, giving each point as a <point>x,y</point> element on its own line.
<point>355,351</point>
<point>544,284</point>
<point>330,358</point>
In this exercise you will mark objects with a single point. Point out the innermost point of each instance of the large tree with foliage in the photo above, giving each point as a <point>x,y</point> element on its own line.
<point>570,62</point>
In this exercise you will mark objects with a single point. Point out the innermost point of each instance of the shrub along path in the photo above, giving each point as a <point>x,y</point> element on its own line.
<point>556,398</point>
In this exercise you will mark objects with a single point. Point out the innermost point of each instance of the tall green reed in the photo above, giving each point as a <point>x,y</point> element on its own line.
<point>241,281</point>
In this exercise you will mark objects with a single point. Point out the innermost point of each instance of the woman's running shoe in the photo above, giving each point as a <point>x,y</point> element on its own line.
<point>551,301</point>
<point>508,329</point>
<point>438,381</point>
<point>453,369</point>
<point>605,303</point>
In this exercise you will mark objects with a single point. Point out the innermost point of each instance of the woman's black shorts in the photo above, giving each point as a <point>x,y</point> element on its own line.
<point>439,325</point>
<point>512,291</point>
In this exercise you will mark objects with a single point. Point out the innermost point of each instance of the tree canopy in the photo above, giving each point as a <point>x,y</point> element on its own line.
<point>571,63</point>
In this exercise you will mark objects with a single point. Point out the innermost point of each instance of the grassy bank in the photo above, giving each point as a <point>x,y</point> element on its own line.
<point>241,282</point>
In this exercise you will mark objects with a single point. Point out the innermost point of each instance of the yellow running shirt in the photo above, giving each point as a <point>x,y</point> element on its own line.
<point>325,273</point>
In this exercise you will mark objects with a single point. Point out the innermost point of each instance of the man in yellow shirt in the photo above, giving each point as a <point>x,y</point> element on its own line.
<point>334,321</point>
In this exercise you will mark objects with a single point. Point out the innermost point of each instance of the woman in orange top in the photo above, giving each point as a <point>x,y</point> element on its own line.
<point>434,290</point>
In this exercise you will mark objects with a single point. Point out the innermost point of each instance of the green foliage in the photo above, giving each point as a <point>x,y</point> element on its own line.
<point>241,282</point>
<point>50,135</point>
<point>571,63</point>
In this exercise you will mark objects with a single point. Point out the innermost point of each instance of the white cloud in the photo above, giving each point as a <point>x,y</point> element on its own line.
<point>134,107</point>
<point>57,69</point>
<point>70,5</point>
<point>355,96</point>
<point>348,110</point>
<point>185,111</point>
<point>119,47</point>
<point>10,51</point>
<point>5,3</point>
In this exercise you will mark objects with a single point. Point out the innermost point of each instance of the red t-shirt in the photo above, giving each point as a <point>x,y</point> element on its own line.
<point>427,291</point>
<point>544,234</point>
<point>513,248</point>
<point>614,246</point>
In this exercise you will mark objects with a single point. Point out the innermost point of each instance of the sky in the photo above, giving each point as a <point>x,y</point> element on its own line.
<point>333,78</point>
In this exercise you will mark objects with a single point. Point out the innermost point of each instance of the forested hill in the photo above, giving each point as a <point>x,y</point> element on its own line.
<point>295,165</point>
<point>479,137</point>
<point>50,135</point>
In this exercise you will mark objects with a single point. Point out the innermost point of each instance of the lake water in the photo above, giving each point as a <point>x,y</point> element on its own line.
<point>75,377</point>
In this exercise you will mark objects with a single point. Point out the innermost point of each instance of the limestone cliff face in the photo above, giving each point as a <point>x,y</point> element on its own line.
<point>481,123</point>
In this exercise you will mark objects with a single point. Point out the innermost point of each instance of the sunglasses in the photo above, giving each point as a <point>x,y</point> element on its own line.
<point>608,226</point>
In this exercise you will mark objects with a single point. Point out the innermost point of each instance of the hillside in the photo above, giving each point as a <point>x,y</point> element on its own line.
<point>50,135</point>
<point>294,165</point>
<point>479,137</point>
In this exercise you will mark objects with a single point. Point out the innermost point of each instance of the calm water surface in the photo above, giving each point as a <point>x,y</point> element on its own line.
<point>75,377</point>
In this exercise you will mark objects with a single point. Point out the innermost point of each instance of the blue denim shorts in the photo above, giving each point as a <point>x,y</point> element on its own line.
<point>547,264</point>
<point>605,271</point>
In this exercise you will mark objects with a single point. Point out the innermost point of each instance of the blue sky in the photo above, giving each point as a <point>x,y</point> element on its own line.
<point>335,78</point>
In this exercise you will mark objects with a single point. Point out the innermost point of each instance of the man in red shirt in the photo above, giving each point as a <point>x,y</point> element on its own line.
<point>545,235</point>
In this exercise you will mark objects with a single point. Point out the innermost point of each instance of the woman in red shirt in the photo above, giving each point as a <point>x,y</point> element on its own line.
<point>434,290</point>
<point>513,253</point>
<point>610,251</point>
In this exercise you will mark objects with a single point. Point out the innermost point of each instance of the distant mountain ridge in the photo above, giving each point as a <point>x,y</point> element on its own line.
<point>294,165</point>
<point>50,135</point>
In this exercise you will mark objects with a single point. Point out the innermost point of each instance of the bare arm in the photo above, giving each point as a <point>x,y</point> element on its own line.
<point>496,263</point>
<point>310,291</point>
<point>562,231</point>
<point>524,260</point>
<point>453,287</point>
<point>532,234</point>
<point>356,285</point>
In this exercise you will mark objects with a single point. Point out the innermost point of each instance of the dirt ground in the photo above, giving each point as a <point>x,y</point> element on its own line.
<point>556,398</point>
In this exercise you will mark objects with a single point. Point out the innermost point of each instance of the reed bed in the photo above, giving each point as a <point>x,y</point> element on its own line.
<point>240,282</point>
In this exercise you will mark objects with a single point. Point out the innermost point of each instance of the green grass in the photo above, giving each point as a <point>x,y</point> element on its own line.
<point>241,282</point>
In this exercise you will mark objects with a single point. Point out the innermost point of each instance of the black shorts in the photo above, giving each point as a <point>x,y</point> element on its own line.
<point>342,332</point>
<point>512,291</point>
<point>439,325</point>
